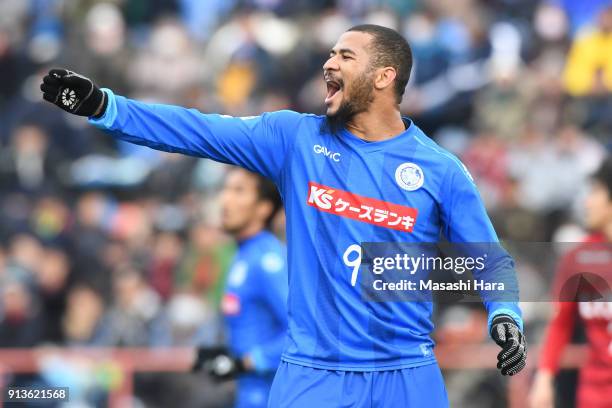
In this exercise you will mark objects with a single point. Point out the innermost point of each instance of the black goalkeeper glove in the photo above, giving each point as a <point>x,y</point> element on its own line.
<point>218,363</point>
<point>509,337</point>
<point>73,93</point>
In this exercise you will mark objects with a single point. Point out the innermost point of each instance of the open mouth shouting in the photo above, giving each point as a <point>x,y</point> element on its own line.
<point>334,87</point>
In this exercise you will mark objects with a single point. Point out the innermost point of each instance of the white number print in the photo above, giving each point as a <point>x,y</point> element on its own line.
<point>598,310</point>
<point>353,263</point>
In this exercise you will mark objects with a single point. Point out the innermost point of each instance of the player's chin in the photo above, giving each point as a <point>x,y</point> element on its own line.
<point>333,104</point>
<point>593,222</point>
<point>594,226</point>
<point>332,109</point>
<point>229,226</point>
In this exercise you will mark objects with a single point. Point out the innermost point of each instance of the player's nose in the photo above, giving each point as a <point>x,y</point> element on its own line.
<point>330,65</point>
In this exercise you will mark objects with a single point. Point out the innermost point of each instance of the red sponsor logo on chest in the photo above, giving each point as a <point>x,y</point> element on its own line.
<point>360,208</point>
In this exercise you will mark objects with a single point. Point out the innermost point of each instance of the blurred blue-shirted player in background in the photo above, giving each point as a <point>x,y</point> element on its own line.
<point>254,304</point>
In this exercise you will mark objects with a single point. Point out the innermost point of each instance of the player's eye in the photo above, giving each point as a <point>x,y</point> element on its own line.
<point>347,57</point>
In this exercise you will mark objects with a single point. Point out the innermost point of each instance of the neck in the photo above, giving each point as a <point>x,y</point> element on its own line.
<point>249,231</point>
<point>380,122</point>
<point>607,232</point>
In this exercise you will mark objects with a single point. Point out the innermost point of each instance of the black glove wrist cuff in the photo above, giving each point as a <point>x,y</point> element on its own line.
<point>104,104</point>
<point>502,318</point>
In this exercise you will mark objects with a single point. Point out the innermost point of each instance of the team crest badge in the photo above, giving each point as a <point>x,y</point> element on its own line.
<point>409,176</point>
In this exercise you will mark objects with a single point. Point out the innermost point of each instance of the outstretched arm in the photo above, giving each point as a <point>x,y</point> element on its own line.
<point>259,143</point>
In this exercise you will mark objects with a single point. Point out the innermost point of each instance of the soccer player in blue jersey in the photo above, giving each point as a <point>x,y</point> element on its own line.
<point>255,298</point>
<point>359,173</point>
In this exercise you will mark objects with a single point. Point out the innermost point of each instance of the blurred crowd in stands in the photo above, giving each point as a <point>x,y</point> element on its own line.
<point>103,243</point>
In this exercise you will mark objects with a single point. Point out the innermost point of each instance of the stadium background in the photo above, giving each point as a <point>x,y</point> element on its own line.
<point>104,244</point>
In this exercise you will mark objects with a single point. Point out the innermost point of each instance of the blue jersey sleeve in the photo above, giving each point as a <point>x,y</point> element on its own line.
<point>274,286</point>
<point>257,143</point>
<point>465,220</point>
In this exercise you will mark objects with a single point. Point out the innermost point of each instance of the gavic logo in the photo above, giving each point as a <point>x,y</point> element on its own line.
<point>318,149</point>
<point>360,208</point>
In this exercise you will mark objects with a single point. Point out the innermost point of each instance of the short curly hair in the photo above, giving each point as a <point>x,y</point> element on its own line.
<point>390,49</point>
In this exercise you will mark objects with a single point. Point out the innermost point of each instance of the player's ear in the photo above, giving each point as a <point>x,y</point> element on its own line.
<point>384,77</point>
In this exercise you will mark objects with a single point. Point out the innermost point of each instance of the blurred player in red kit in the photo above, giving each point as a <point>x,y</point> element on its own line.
<point>593,256</point>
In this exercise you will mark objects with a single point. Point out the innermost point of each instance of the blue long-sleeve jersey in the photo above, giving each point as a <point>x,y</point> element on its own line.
<point>254,302</point>
<point>338,191</point>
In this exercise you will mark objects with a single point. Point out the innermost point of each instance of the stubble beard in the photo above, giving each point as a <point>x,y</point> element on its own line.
<point>361,94</point>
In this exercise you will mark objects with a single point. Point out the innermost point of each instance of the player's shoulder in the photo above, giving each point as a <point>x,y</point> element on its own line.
<point>594,238</point>
<point>290,116</point>
<point>269,254</point>
<point>439,156</point>
<point>272,261</point>
<point>290,122</point>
